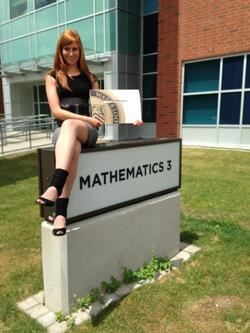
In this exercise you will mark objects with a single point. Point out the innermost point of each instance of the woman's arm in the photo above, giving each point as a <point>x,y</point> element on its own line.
<point>57,111</point>
<point>94,82</point>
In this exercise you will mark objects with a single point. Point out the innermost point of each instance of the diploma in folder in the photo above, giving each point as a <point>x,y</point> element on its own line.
<point>116,106</point>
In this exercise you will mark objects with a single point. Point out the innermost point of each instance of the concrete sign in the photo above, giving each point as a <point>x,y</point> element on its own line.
<point>109,179</point>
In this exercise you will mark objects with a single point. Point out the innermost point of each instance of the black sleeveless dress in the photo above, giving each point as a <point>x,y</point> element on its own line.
<point>79,89</point>
<point>76,100</point>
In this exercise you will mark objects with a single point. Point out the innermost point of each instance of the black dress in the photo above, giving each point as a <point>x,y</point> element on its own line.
<point>76,99</point>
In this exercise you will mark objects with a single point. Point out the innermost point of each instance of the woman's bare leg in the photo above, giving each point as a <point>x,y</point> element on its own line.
<point>72,130</point>
<point>59,221</point>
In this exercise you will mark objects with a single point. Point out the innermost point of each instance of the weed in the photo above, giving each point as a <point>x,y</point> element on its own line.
<point>60,316</point>
<point>148,271</point>
<point>112,286</point>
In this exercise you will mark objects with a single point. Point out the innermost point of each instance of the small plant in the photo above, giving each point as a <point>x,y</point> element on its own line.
<point>112,286</point>
<point>129,275</point>
<point>85,302</point>
<point>70,322</point>
<point>60,316</point>
<point>148,271</point>
<point>97,294</point>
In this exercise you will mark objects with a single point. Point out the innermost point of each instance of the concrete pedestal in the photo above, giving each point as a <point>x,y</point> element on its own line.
<point>97,248</point>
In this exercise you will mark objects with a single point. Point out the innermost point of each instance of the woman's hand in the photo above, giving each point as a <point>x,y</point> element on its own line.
<point>138,122</point>
<point>94,122</point>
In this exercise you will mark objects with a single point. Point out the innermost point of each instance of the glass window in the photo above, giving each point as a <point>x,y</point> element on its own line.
<point>149,86</point>
<point>232,73</point>
<point>35,94</point>
<point>200,110</point>
<point>109,4</point>
<point>131,6</point>
<point>150,63</point>
<point>202,76</point>
<point>123,31</point>
<point>32,46</point>
<point>248,72</point>
<point>6,56</point>
<point>110,31</point>
<point>122,4</point>
<point>98,5</point>
<point>133,32</point>
<point>20,26</point>
<point>46,18</point>
<point>42,3</point>
<point>246,113</point>
<point>81,9</point>
<point>20,49</point>
<point>134,6</point>
<point>36,109</point>
<point>99,33</point>
<point>61,13</point>
<point>150,33</point>
<point>150,6</point>
<point>17,8</point>
<point>42,94</point>
<point>149,111</point>
<point>2,16</point>
<point>2,33</point>
<point>46,42</point>
<point>85,29</point>
<point>45,109</point>
<point>31,23</point>
<point>230,109</point>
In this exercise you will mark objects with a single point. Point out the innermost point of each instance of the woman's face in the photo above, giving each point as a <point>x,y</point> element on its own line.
<point>71,53</point>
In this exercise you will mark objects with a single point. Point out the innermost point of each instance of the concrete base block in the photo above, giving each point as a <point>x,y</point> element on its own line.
<point>97,248</point>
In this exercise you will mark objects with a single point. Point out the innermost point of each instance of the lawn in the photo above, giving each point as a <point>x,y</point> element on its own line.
<point>209,293</point>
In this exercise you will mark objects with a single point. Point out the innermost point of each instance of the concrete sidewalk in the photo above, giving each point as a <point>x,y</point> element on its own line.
<point>19,144</point>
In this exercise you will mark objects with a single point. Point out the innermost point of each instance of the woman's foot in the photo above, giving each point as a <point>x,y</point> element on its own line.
<point>48,198</point>
<point>59,226</point>
<point>55,190</point>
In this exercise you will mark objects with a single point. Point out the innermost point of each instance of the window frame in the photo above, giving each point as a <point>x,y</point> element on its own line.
<point>219,92</point>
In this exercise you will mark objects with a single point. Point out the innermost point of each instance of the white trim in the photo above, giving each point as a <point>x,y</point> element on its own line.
<point>216,57</point>
<point>154,12</point>
<point>149,98</point>
<point>182,97</point>
<point>149,54</point>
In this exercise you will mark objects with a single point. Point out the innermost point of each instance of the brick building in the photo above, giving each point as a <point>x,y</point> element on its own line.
<point>204,72</point>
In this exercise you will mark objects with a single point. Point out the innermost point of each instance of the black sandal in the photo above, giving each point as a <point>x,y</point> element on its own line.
<point>58,181</point>
<point>61,209</point>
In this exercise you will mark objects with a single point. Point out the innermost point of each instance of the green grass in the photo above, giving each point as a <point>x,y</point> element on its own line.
<point>209,293</point>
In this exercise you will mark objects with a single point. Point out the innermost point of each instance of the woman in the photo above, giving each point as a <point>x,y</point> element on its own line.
<point>67,88</point>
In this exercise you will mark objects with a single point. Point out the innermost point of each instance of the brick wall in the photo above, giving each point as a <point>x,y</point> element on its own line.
<point>167,79</point>
<point>190,30</point>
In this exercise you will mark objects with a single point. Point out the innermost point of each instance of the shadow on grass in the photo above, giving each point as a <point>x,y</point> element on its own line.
<point>188,237</point>
<point>20,167</point>
<point>97,320</point>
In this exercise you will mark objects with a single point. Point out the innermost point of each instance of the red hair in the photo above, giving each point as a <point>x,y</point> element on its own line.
<point>60,67</point>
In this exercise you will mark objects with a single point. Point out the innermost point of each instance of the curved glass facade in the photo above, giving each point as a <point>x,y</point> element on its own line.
<point>29,29</point>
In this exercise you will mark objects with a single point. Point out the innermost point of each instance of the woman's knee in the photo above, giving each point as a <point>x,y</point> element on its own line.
<point>70,124</point>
